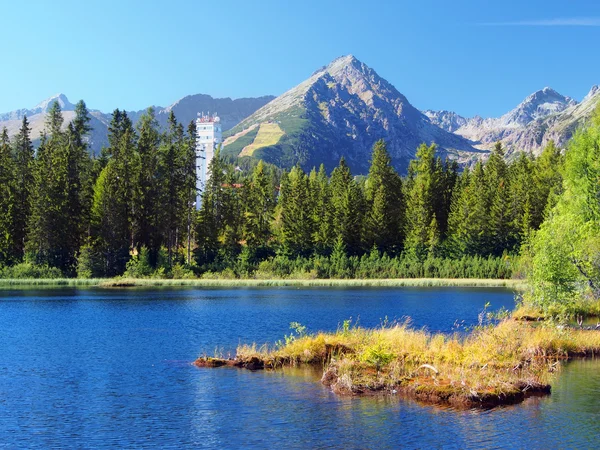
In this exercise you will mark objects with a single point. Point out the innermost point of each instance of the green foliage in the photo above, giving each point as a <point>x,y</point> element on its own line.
<point>565,252</point>
<point>28,270</point>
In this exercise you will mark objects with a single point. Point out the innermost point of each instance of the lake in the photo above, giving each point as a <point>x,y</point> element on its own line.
<point>92,368</point>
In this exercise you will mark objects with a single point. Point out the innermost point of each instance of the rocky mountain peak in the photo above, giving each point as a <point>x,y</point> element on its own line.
<point>593,91</point>
<point>538,105</point>
<point>45,105</point>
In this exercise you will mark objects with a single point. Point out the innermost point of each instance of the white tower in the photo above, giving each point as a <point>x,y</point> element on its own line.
<point>208,138</point>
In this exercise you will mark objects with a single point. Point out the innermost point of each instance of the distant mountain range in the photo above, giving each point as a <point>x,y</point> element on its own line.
<point>543,116</point>
<point>230,111</point>
<point>341,110</point>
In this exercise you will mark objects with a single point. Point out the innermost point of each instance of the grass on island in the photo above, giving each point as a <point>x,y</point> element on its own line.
<point>492,365</point>
<point>250,282</point>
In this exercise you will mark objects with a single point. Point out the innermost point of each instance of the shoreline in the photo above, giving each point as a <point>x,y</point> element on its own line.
<point>251,282</point>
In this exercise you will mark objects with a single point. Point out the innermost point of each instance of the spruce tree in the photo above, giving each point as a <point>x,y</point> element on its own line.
<point>499,230</point>
<point>147,223</point>
<point>7,201</point>
<point>297,224</point>
<point>115,194</point>
<point>348,207</point>
<point>385,219</point>
<point>24,185</point>
<point>421,201</point>
<point>322,211</point>
<point>211,216</point>
<point>259,209</point>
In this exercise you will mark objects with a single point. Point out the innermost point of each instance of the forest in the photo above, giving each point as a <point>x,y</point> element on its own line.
<point>131,210</point>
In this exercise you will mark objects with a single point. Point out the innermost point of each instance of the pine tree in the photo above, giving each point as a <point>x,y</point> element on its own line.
<point>348,207</point>
<point>54,238</point>
<point>500,232</point>
<point>469,215</point>
<point>385,218</point>
<point>115,193</point>
<point>322,211</point>
<point>24,185</point>
<point>147,220</point>
<point>7,201</point>
<point>421,201</point>
<point>297,224</point>
<point>189,185</point>
<point>259,209</point>
<point>211,216</point>
<point>170,174</point>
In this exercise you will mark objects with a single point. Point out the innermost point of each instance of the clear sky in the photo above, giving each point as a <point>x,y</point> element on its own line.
<point>473,57</point>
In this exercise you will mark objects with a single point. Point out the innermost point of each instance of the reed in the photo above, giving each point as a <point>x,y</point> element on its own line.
<point>249,282</point>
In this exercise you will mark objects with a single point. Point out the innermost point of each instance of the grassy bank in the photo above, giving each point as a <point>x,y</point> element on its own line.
<point>48,282</point>
<point>493,365</point>
<point>148,282</point>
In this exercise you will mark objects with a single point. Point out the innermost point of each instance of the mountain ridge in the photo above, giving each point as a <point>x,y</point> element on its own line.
<point>341,110</point>
<point>542,116</point>
<point>231,111</point>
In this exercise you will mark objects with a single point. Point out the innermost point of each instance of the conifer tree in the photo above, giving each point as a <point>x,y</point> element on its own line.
<point>499,232</point>
<point>7,201</point>
<point>348,207</point>
<point>322,211</point>
<point>53,237</point>
<point>170,180</point>
<point>259,209</point>
<point>421,201</point>
<point>115,193</point>
<point>189,185</point>
<point>211,216</point>
<point>147,220</point>
<point>383,192</point>
<point>469,215</point>
<point>297,224</point>
<point>24,185</point>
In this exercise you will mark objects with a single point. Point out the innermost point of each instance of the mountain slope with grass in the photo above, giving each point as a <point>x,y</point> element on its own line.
<point>341,110</point>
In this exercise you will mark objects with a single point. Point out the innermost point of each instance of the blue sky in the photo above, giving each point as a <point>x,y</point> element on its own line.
<point>473,57</point>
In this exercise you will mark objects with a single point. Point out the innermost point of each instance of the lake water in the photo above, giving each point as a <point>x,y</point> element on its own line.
<point>111,368</point>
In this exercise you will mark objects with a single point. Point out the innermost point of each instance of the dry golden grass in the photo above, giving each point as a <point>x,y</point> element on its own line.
<point>496,364</point>
<point>268,134</point>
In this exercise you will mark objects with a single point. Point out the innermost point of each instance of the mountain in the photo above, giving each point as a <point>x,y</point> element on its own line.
<point>446,120</point>
<point>543,116</point>
<point>341,110</point>
<point>230,111</point>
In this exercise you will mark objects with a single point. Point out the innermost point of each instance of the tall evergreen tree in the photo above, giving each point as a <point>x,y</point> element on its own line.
<point>348,210</point>
<point>421,201</point>
<point>383,192</point>
<point>24,185</point>
<point>189,185</point>
<point>147,219</point>
<point>469,215</point>
<point>297,224</point>
<point>115,193</point>
<point>500,232</point>
<point>211,216</point>
<point>322,211</point>
<point>54,237</point>
<point>259,209</point>
<point>7,201</point>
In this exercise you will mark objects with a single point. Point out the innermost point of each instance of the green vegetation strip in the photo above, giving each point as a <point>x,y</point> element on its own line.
<point>133,282</point>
